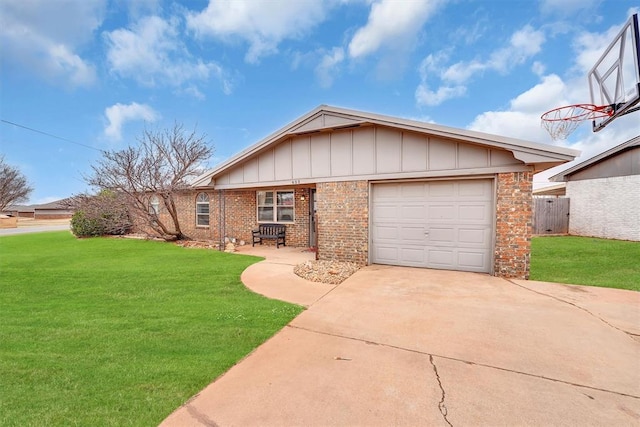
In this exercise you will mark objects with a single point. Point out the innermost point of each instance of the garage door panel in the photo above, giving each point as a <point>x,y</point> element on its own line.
<point>442,235</point>
<point>475,189</point>
<point>387,255</point>
<point>386,212</point>
<point>443,258</point>
<point>412,255</point>
<point>412,233</point>
<point>439,212</point>
<point>387,232</point>
<point>476,236</point>
<point>412,212</point>
<point>472,261</point>
<point>412,190</point>
<point>474,212</point>
<point>387,191</point>
<point>456,215</point>
<point>441,189</point>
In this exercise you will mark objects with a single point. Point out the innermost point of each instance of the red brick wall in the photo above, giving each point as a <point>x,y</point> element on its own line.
<point>241,216</point>
<point>513,225</point>
<point>186,205</point>
<point>239,210</point>
<point>343,221</point>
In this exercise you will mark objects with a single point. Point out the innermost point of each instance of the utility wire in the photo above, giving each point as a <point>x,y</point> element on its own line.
<point>51,135</point>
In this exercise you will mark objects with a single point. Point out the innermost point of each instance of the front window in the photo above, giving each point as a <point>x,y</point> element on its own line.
<point>154,205</point>
<point>275,206</point>
<point>202,209</point>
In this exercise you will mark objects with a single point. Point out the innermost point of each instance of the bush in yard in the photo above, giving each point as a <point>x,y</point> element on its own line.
<point>83,226</point>
<point>104,213</point>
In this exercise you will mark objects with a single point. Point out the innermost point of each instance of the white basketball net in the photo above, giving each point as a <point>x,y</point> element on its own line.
<point>561,122</point>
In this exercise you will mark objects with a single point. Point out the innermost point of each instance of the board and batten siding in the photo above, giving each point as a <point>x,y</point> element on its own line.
<point>368,152</point>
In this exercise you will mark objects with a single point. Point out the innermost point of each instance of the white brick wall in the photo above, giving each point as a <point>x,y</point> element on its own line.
<point>605,207</point>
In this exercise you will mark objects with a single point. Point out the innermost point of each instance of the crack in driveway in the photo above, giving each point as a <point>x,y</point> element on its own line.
<point>573,305</point>
<point>469,362</point>
<point>441,406</point>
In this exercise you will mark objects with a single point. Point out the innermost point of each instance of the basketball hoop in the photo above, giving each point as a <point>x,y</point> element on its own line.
<point>560,122</point>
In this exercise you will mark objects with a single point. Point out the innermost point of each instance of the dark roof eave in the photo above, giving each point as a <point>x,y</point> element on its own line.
<point>627,145</point>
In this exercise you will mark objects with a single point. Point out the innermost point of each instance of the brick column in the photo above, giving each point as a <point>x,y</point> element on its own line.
<point>513,226</point>
<point>343,221</point>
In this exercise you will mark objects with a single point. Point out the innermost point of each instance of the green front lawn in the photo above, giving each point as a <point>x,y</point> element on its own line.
<point>119,332</point>
<point>586,261</point>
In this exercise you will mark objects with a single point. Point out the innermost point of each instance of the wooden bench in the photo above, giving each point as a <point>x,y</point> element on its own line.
<point>275,232</point>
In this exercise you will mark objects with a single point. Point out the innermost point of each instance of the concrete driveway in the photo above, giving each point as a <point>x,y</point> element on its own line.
<point>404,346</point>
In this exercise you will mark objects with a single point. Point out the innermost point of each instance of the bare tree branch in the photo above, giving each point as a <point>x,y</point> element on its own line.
<point>13,185</point>
<point>163,163</point>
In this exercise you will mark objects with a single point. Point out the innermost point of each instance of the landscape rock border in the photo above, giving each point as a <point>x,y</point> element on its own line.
<point>329,272</point>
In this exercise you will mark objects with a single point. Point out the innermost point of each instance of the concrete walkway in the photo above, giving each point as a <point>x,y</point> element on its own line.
<point>408,347</point>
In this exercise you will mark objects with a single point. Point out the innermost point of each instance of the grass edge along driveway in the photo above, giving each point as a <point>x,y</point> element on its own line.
<point>586,261</point>
<point>119,332</point>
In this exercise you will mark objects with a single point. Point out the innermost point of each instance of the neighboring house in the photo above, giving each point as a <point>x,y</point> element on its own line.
<point>52,210</point>
<point>19,211</point>
<point>555,190</point>
<point>605,193</point>
<point>368,188</point>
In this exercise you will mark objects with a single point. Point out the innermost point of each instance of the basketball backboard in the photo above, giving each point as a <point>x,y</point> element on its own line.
<point>614,80</point>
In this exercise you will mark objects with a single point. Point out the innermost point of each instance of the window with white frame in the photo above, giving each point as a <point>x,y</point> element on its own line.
<point>275,206</point>
<point>154,205</point>
<point>202,209</point>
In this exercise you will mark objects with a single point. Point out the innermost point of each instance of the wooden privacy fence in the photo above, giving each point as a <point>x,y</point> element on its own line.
<point>550,215</point>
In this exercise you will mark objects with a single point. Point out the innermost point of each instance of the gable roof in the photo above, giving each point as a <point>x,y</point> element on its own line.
<point>325,118</point>
<point>632,143</point>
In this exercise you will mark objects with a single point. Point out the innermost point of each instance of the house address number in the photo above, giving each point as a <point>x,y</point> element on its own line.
<point>295,181</point>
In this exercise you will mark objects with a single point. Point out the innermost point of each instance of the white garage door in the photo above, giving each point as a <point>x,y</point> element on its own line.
<point>437,224</point>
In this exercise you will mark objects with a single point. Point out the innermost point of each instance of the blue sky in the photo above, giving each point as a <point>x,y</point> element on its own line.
<point>96,72</point>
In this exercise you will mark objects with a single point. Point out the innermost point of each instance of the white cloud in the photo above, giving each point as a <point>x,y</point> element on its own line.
<point>522,45</point>
<point>522,118</point>
<point>391,24</point>
<point>138,8</point>
<point>45,37</point>
<point>119,114</point>
<point>264,24</point>
<point>329,66</point>
<point>538,68</point>
<point>567,7</point>
<point>461,72</point>
<point>152,53</point>
<point>426,96</point>
<point>545,95</point>
<point>432,65</point>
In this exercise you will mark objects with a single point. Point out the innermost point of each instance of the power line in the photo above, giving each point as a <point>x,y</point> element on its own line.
<point>49,134</point>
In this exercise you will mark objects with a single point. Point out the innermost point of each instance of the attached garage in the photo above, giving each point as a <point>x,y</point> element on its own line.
<point>445,224</point>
